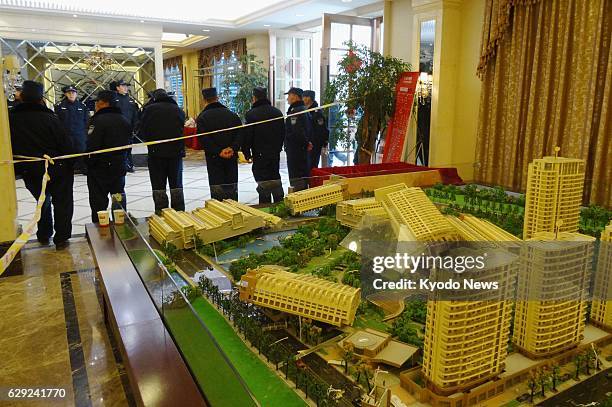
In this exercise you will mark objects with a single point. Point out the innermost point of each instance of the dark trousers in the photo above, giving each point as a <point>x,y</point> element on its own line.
<point>315,155</point>
<point>164,171</point>
<point>129,161</point>
<point>222,178</point>
<point>267,175</point>
<point>100,187</point>
<point>298,168</point>
<point>59,195</point>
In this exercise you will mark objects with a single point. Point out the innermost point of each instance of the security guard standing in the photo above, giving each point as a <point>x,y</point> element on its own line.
<point>220,149</point>
<point>162,119</point>
<point>298,135</point>
<point>74,116</point>
<point>36,131</point>
<point>320,131</point>
<point>263,143</point>
<point>106,171</point>
<point>129,109</point>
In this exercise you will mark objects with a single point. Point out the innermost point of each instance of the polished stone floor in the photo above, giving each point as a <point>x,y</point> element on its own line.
<point>138,191</point>
<point>53,332</point>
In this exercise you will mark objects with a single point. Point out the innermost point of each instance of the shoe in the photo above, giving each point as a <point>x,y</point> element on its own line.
<point>43,241</point>
<point>131,169</point>
<point>62,245</point>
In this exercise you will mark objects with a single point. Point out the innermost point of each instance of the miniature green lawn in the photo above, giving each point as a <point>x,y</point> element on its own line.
<point>371,319</point>
<point>266,386</point>
<point>320,261</point>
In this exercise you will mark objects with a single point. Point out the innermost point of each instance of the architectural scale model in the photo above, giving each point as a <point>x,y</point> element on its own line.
<point>313,198</point>
<point>223,220</point>
<point>349,213</point>
<point>552,290</point>
<point>379,347</point>
<point>601,307</point>
<point>216,221</point>
<point>413,216</point>
<point>180,222</point>
<point>300,294</point>
<point>554,192</point>
<point>466,339</point>
<point>164,233</point>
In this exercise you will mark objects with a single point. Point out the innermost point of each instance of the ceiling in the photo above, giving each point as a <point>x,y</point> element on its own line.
<point>216,21</point>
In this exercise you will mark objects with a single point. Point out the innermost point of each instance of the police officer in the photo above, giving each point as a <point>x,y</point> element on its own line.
<point>298,134</point>
<point>320,136</point>
<point>36,131</point>
<point>162,119</point>
<point>106,171</point>
<point>129,109</point>
<point>74,116</point>
<point>263,143</point>
<point>220,149</point>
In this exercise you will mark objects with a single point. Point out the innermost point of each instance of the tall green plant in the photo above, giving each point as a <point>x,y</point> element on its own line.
<point>366,83</point>
<point>251,74</point>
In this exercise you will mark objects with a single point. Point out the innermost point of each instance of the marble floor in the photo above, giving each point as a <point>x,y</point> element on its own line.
<point>138,191</point>
<point>53,331</point>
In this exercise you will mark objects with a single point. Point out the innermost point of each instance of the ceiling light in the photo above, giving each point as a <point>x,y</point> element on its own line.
<point>174,37</point>
<point>142,21</point>
<point>74,15</point>
<point>346,1</point>
<point>206,30</point>
<point>266,25</point>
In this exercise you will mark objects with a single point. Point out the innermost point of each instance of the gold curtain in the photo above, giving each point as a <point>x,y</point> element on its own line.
<point>208,56</point>
<point>174,61</point>
<point>547,81</point>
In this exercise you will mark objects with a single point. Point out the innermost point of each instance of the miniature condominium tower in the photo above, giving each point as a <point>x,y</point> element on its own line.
<point>554,193</point>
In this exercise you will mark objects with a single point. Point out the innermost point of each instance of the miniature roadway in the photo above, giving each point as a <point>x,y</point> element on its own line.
<point>597,387</point>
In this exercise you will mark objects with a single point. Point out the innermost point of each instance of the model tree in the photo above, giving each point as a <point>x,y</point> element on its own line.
<point>533,385</point>
<point>365,84</point>
<point>554,376</point>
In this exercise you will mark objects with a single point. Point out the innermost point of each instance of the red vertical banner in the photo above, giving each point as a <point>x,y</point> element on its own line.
<point>398,125</point>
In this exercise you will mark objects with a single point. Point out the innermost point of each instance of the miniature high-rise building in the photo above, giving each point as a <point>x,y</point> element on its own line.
<point>601,307</point>
<point>554,193</point>
<point>552,292</point>
<point>466,335</point>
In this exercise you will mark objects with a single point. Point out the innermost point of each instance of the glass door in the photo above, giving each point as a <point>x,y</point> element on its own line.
<point>292,55</point>
<point>338,31</point>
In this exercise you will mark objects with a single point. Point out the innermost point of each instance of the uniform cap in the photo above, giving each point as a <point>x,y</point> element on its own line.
<point>69,88</point>
<point>31,91</point>
<point>209,93</point>
<point>310,93</point>
<point>296,91</point>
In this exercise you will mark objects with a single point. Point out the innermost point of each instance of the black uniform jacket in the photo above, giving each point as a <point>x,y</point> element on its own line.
<point>36,131</point>
<point>129,109</point>
<point>319,126</point>
<point>162,119</point>
<point>107,128</point>
<point>215,116</point>
<point>298,128</point>
<point>263,140</point>
<point>74,116</point>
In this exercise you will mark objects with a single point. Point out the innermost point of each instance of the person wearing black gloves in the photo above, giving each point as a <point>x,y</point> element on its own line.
<point>74,116</point>
<point>298,136</point>
<point>36,131</point>
<point>263,143</point>
<point>162,119</point>
<point>129,110</point>
<point>106,171</point>
<point>221,148</point>
<point>320,132</point>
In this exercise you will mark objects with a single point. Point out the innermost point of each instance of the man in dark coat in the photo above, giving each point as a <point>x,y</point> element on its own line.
<point>74,116</point>
<point>320,132</point>
<point>162,119</point>
<point>106,171</point>
<point>298,135</point>
<point>36,131</point>
<point>220,149</point>
<point>263,143</point>
<point>129,109</point>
